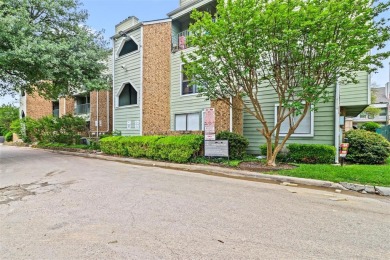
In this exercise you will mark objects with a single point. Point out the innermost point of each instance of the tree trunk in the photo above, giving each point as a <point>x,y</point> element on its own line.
<point>270,154</point>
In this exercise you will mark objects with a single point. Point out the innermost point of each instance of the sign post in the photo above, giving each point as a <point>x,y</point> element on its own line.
<point>209,124</point>
<point>212,147</point>
<point>343,152</point>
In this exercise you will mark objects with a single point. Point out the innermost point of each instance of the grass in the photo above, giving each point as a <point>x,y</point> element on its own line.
<point>378,175</point>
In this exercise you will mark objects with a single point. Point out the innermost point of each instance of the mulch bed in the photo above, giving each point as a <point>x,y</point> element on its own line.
<point>261,167</point>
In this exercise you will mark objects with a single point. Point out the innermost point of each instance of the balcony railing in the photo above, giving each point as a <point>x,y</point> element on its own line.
<point>82,109</point>
<point>179,41</point>
<point>56,112</point>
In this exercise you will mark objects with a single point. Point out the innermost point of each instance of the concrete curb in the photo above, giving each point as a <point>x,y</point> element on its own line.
<point>284,180</point>
<point>240,174</point>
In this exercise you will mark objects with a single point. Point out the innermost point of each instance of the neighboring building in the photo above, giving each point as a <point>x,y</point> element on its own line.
<point>95,107</point>
<point>176,106</point>
<point>382,101</point>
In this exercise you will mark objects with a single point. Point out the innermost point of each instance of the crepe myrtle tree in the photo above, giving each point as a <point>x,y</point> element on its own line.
<point>297,49</point>
<point>46,47</point>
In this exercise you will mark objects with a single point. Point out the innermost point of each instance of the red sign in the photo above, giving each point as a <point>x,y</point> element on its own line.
<point>344,149</point>
<point>209,124</point>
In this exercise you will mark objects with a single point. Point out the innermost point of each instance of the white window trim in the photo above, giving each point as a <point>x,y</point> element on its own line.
<point>181,84</point>
<point>121,46</point>
<point>311,134</point>
<point>120,91</point>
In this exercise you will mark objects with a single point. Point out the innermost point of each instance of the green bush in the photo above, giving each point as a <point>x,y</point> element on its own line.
<point>367,147</point>
<point>8,137</point>
<point>24,128</point>
<point>66,129</point>
<point>311,153</point>
<point>370,126</point>
<point>305,153</point>
<point>177,148</point>
<point>170,148</point>
<point>237,144</point>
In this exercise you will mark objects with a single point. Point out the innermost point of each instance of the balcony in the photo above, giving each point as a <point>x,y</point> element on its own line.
<point>179,41</point>
<point>82,109</point>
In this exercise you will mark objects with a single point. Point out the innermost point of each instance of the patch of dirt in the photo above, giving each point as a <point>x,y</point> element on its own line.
<point>261,167</point>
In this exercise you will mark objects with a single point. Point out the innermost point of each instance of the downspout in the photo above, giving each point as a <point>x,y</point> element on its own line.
<point>113,84</point>
<point>231,114</point>
<point>142,82</point>
<point>97,113</point>
<point>108,112</point>
<point>337,121</point>
<point>64,106</point>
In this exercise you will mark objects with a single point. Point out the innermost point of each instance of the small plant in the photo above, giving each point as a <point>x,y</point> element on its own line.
<point>8,137</point>
<point>366,147</point>
<point>237,144</point>
<point>370,126</point>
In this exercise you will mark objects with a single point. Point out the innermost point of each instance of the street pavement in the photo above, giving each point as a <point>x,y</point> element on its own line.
<point>56,206</point>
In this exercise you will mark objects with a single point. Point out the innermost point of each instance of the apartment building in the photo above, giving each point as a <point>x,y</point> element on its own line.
<point>152,95</point>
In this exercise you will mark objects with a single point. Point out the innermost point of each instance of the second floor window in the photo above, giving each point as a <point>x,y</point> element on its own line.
<point>128,96</point>
<point>186,88</point>
<point>128,47</point>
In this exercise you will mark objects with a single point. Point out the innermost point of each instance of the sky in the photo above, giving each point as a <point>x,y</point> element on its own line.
<point>105,14</point>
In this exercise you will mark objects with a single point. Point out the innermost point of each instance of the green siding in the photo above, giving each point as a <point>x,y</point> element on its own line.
<point>132,74</point>
<point>182,104</point>
<point>323,124</point>
<point>356,94</point>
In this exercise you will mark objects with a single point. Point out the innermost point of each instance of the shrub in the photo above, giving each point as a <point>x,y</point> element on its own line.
<point>311,153</point>
<point>177,148</point>
<point>66,129</point>
<point>367,147</point>
<point>171,148</point>
<point>237,144</point>
<point>8,137</point>
<point>24,128</point>
<point>370,126</point>
<point>112,145</point>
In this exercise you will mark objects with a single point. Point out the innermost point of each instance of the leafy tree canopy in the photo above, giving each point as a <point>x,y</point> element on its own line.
<point>8,113</point>
<point>296,49</point>
<point>46,47</point>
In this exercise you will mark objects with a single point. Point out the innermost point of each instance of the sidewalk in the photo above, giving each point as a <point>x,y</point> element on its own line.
<point>239,174</point>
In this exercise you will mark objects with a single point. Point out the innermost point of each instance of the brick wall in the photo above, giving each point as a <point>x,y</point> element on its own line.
<point>156,77</point>
<point>105,119</point>
<point>238,116</point>
<point>222,116</point>
<point>68,103</point>
<point>37,106</point>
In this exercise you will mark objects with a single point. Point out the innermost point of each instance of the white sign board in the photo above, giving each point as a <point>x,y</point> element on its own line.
<point>209,124</point>
<point>218,148</point>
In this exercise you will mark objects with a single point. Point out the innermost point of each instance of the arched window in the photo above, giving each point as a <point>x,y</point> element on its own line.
<point>128,96</point>
<point>128,47</point>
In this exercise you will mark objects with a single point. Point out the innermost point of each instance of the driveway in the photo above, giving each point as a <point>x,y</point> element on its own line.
<point>65,207</point>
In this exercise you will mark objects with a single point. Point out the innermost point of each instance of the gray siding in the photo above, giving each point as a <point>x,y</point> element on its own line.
<point>132,74</point>
<point>356,94</point>
<point>182,104</point>
<point>323,124</point>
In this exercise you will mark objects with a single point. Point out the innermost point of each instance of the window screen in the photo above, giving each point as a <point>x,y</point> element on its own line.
<point>304,128</point>
<point>187,122</point>
<point>128,96</point>
<point>128,46</point>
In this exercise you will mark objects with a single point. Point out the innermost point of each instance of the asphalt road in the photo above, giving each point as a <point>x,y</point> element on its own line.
<point>65,207</point>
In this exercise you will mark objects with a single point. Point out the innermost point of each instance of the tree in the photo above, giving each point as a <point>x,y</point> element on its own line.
<point>8,113</point>
<point>297,49</point>
<point>46,47</point>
